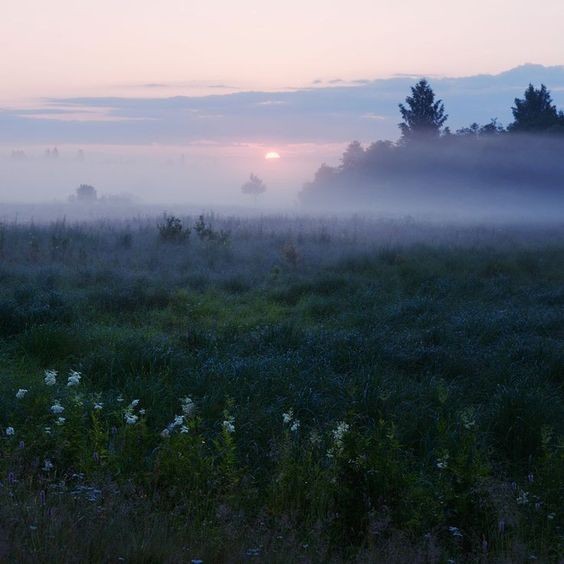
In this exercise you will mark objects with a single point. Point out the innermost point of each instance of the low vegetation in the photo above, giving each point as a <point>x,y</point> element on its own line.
<point>315,390</point>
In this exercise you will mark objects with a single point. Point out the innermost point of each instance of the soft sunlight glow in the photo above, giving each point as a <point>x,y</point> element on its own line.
<point>271,155</point>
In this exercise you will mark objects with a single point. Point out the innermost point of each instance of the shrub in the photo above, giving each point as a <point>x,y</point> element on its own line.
<point>171,230</point>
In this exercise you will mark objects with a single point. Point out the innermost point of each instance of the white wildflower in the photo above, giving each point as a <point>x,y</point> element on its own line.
<point>229,424</point>
<point>50,377</point>
<point>295,426</point>
<point>141,412</point>
<point>130,418</point>
<point>288,416</point>
<point>455,532</point>
<point>523,497</point>
<point>74,378</point>
<point>98,406</point>
<point>47,430</point>
<point>339,433</point>
<point>468,418</point>
<point>57,408</point>
<point>134,404</point>
<point>10,431</point>
<point>184,429</point>
<point>188,406</point>
<point>47,465</point>
<point>60,421</point>
<point>442,463</point>
<point>21,393</point>
<point>178,420</point>
<point>119,399</point>
<point>315,438</point>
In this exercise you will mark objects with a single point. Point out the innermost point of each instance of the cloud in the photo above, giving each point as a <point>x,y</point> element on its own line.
<point>366,110</point>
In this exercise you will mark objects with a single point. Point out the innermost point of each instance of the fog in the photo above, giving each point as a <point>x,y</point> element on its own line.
<point>204,175</point>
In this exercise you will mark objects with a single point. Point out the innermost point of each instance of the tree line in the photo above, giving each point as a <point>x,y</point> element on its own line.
<point>430,158</point>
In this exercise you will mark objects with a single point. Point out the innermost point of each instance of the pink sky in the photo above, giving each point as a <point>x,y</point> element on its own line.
<point>73,47</point>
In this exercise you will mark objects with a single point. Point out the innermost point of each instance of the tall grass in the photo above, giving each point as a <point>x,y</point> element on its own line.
<point>386,392</point>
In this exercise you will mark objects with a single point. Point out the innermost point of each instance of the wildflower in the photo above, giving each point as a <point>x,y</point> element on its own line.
<point>295,426</point>
<point>287,417</point>
<point>315,438</point>
<point>339,433</point>
<point>531,478</point>
<point>141,412</point>
<point>60,421</point>
<point>74,378</point>
<point>57,408</point>
<point>188,406</point>
<point>178,420</point>
<point>50,377</point>
<point>119,399</point>
<point>341,430</point>
<point>229,424</point>
<point>184,429</point>
<point>47,430</point>
<point>47,465</point>
<point>455,532</point>
<point>21,393</point>
<point>130,418</point>
<point>165,433</point>
<point>551,516</point>
<point>134,404</point>
<point>10,431</point>
<point>442,463</point>
<point>468,419</point>
<point>98,406</point>
<point>523,497</point>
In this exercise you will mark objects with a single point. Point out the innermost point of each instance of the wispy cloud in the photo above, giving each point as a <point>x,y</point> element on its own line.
<point>366,110</point>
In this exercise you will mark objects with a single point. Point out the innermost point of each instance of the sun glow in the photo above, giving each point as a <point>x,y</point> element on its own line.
<point>272,155</point>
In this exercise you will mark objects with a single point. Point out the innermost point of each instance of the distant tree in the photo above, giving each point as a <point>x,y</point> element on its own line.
<point>472,130</point>
<point>254,187</point>
<point>423,117</point>
<point>353,156</point>
<point>476,130</point>
<point>86,193</point>
<point>535,112</point>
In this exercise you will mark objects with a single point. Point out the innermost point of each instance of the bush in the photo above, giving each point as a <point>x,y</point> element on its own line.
<point>171,230</point>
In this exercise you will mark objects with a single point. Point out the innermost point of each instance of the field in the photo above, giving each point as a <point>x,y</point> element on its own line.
<point>281,389</point>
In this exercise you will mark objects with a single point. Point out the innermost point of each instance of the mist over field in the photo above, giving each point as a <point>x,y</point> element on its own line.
<point>197,151</point>
<point>281,282</point>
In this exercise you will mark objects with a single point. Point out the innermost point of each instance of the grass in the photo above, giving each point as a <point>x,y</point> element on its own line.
<point>379,393</point>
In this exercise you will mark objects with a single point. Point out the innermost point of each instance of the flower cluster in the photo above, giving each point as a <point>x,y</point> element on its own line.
<point>229,424</point>
<point>74,378</point>
<point>50,377</point>
<point>442,462</point>
<point>129,416</point>
<point>21,393</point>
<point>289,419</point>
<point>57,408</point>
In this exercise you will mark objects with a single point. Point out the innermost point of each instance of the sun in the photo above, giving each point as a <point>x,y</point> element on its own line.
<point>271,155</point>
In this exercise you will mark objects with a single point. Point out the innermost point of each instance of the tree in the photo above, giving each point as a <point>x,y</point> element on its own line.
<point>423,117</point>
<point>353,156</point>
<point>535,112</point>
<point>254,186</point>
<point>86,193</point>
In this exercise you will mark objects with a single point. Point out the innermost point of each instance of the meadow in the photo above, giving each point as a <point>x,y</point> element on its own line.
<point>281,389</point>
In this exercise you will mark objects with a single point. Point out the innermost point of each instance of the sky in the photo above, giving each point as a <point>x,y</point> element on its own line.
<point>70,47</point>
<point>181,98</point>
